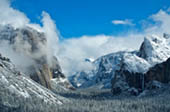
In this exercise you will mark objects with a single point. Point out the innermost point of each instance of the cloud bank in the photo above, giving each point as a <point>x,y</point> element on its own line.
<point>75,50</point>
<point>72,52</point>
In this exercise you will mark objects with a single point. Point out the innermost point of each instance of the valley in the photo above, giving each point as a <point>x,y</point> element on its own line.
<point>104,101</point>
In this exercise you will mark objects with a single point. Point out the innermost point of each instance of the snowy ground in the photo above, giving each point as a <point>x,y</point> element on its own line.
<point>104,101</point>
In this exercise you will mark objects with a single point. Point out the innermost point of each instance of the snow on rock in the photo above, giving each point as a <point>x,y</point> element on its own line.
<point>90,60</point>
<point>61,84</point>
<point>153,50</point>
<point>18,91</point>
<point>135,63</point>
<point>29,45</point>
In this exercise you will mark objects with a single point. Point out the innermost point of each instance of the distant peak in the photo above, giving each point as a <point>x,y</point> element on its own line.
<point>155,48</point>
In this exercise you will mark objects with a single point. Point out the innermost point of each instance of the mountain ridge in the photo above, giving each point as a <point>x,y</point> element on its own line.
<point>153,50</point>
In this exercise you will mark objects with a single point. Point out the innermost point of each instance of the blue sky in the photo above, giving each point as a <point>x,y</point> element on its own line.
<point>75,18</point>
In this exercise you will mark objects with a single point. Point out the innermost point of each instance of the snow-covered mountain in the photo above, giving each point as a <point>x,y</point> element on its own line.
<point>153,50</point>
<point>29,49</point>
<point>19,93</point>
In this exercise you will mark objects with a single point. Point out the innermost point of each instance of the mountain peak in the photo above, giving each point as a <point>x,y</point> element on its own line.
<point>155,49</point>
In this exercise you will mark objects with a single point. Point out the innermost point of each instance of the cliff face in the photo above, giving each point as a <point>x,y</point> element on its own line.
<point>124,80</point>
<point>155,50</point>
<point>160,72</point>
<point>43,76</point>
<point>32,44</point>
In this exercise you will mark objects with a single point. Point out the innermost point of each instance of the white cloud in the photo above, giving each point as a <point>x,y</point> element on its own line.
<point>162,23</point>
<point>122,22</point>
<point>9,15</point>
<point>17,19</point>
<point>72,52</point>
<point>49,28</point>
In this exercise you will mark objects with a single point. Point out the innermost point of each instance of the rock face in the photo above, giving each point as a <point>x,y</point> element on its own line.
<point>32,45</point>
<point>123,71</point>
<point>19,93</point>
<point>160,72</point>
<point>153,50</point>
<point>152,79</point>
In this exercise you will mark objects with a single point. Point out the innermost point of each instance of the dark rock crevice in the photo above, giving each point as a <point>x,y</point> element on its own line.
<point>141,81</point>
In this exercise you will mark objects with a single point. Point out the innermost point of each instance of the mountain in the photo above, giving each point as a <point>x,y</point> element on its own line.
<point>19,93</point>
<point>31,46</point>
<point>125,69</point>
<point>155,49</point>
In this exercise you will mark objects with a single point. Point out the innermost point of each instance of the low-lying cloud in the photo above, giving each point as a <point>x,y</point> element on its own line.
<point>75,50</point>
<point>72,52</point>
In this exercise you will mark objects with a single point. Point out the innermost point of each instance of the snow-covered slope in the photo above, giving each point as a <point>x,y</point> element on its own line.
<point>20,93</point>
<point>153,50</point>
